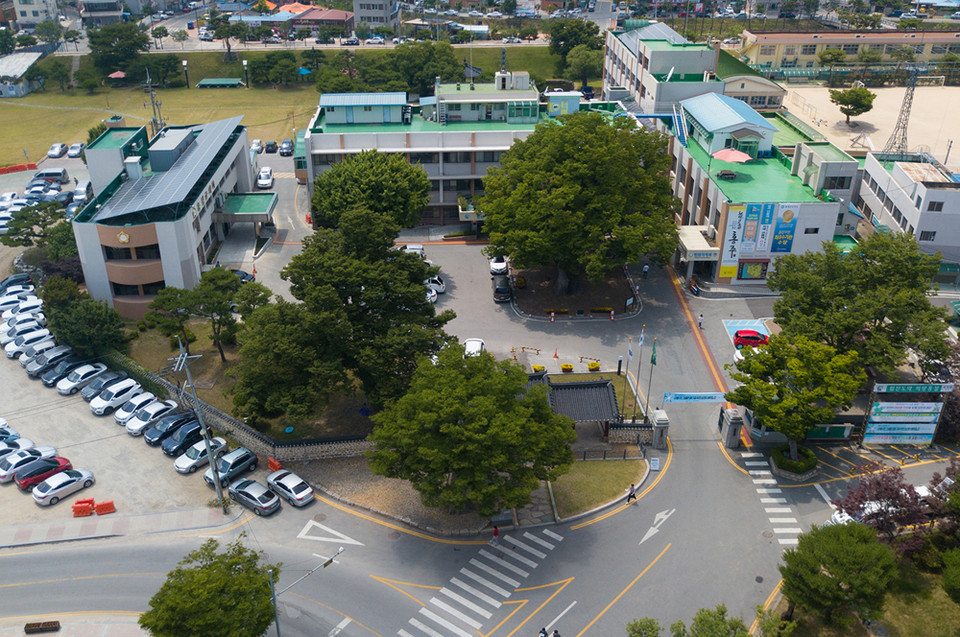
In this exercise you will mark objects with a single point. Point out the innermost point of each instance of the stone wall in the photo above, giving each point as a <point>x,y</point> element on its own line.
<point>631,434</point>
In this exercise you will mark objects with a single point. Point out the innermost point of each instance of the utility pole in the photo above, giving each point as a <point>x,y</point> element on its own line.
<point>183,362</point>
<point>324,564</point>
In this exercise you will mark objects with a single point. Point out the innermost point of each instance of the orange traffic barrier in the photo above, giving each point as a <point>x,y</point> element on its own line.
<point>273,465</point>
<point>82,510</point>
<point>85,501</point>
<point>309,219</point>
<point>105,507</point>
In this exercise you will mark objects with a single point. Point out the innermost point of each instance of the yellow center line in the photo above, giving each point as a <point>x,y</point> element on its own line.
<point>566,582</point>
<point>766,605</point>
<point>731,460</point>
<point>78,579</point>
<point>520,604</point>
<point>624,591</point>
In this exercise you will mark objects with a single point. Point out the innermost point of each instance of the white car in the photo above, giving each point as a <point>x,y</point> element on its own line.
<point>76,150</point>
<point>35,350</point>
<point>290,487</point>
<point>11,333</point>
<point>60,485</point>
<point>431,295</point>
<point>13,446</point>
<point>499,265</point>
<point>57,150</point>
<point>149,414</point>
<point>196,456</point>
<point>415,248</point>
<point>20,290</point>
<point>26,306</point>
<point>114,396</point>
<point>79,378</point>
<point>132,406</point>
<point>13,461</point>
<point>473,347</point>
<point>12,301</point>
<point>256,146</point>
<point>16,347</point>
<point>436,284</point>
<point>374,40</point>
<point>265,178</point>
<point>494,14</point>
<point>475,14</point>
<point>22,318</point>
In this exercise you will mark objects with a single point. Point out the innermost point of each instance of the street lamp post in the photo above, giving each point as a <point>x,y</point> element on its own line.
<point>246,76</point>
<point>327,561</point>
<point>185,76</point>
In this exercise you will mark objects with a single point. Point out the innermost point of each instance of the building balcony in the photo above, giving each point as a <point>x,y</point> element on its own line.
<point>134,271</point>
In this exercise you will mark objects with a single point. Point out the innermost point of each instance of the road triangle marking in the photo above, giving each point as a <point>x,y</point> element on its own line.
<point>335,536</point>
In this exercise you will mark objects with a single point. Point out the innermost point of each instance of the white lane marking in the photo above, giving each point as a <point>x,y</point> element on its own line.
<point>443,622</point>
<point>475,592</point>
<point>790,541</point>
<point>823,494</point>
<point>755,463</point>
<point>750,454</point>
<point>503,563</point>
<point>523,560</point>
<point>404,633</point>
<point>338,536</point>
<point>453,611</point>
<point>425,628</point>
<point>533,538</point>
<point>768,490</point>
<point>495,573</point>
<point>778,510</point>
<point>339,627</point>
<point>465,602</point>
<point>783,520</point>
<point>760,472</point>
<point>485,582</point>
<point>557,618</point>
<point>793,530</point>
<point>550,533</point>
<point>526,547</point>
<point>764,481</point>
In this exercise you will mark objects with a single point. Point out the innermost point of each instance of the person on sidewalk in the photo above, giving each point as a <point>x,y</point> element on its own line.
<point>700,321</point>
<point>543,633</point>
<point>631,493</point>
<point>496,536</point>
<point>646,270</point>
<point>556,633</point>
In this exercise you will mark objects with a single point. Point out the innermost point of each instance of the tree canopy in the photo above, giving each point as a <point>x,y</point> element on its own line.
<point>793,385</point>
<point>584,63</point>
<point>873,300</point>
<point>838,569</point>
<point>567,33</point>
<point>91,327</point>
<point>32,225</point>
<point>853,101</point>
<point>831,57</point>
<point>584,193</point>
<point>49,31</point>
<point>212,593</point>
<point>470,432</point>
<point>420,63</point>
<point>383,182</point>
<point>884,501</point>
<point>117,46</point>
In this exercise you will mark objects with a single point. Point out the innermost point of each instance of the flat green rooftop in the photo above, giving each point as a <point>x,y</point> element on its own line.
<point>665,45</point>
<point>420,125</point>
<point>845,243</point>
<point>829,152</point>
<point>250,203</point>
<point>114,138</point>
<point>758,181</point>
<point>787,133</point>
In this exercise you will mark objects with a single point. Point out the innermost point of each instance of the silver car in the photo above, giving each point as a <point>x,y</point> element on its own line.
<point>78,378</point>
<point>13,446</point>
<point>13,462</point>
<point>290,487</point>
<point>148,415</point>
<point>132,406</point>
<point>196,456</point>
<point>60,485</point>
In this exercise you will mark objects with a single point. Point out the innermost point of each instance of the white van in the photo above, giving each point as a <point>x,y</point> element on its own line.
<point>53,174</point>
<point>83,192</point>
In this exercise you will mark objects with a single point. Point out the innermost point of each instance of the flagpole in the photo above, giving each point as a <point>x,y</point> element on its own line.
<point>626,377</point>
<point>646,410</point>
<point>636,397</point>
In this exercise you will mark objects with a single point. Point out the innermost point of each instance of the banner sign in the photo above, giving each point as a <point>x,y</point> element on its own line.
<point>898,439</point>
<point>890,428</point>
<point>786,227</point>
<point>888,388</point>
<point>730,250</point>
<point>705,397</point>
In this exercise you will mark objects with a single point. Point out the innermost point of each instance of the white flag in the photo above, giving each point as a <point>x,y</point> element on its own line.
<point>629,348</point>
<point>641,338</point>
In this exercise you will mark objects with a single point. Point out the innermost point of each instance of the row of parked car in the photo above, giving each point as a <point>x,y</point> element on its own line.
<point>160,422</point>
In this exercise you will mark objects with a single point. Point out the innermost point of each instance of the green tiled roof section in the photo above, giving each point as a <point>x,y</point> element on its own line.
<point>114,137</point>
<point>249,203</point>
<point>786,135</point>
<point>758,181</point>
<point>845,243</point>
<point>728,66</point>
<point>664,45</point>
<point>299,143</point>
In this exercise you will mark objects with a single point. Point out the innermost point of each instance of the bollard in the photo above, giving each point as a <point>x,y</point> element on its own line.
<point>552,316</point>
<point>611,315</point>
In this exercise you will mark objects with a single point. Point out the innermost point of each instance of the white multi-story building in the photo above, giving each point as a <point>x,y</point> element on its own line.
<point>161,205</point>
<point>376,13</point>
<point>30,13</point>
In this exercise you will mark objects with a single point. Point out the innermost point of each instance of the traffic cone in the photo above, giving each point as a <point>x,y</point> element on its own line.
<point>555,352</point>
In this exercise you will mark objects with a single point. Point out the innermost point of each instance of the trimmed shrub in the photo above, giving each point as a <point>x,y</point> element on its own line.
<point>781,458</point>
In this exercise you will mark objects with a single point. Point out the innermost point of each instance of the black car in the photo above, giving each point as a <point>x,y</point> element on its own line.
<point>245,277</point>
<point>59,371</point>
<point>286,148</point>
<point>63,198</point>
<point>166,427</point>
<point>270,147</point>
<point>182,439</point>
<point>14,279</point>
<point>351,41</point>
<point>100,383</point>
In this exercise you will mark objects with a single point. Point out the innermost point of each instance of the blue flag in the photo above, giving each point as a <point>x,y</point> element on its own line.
<point>653,356</point>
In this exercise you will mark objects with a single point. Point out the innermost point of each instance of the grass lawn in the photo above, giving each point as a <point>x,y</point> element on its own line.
<point>590,484</point>
<point>619,385</point>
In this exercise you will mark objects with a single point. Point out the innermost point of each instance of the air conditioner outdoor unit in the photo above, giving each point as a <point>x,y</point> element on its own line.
<point>712,232</point>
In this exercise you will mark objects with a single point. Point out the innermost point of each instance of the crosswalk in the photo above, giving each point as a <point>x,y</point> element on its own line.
<point>780,514</point>
<point>474,594</point>
<point>280,175</point>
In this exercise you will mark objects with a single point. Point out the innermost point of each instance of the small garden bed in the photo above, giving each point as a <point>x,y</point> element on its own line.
<point>538,296</point>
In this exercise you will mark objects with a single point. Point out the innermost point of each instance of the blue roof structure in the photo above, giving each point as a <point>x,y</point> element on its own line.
<point>232,7</point>
<point>398,98</point>
<point>716,112</point>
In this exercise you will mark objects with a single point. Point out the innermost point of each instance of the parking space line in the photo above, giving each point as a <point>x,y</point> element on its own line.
<point>890,458</point>
<point>915,456</point>
<point>827,464</point>
<point>852,464</point>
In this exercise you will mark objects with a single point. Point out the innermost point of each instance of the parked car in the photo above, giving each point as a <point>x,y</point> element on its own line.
<point>7,434</point>
<point>30,354</point>
<point>254,496</point>
<point>27,305</point>
<point>502,292</point>
<point>39,317</point>
<point>80,378</point>
<point>48,359</point>
<point>149,414</point>
<point>38,470</point>
<point>10,302</point>
<point>286,146</point>
<point>374,40</point>
<point>14,279</point>
<point>351,41</point>
<point>182,439</point>
<point>21,290</point>
<point>475,14</point>
<point>16,347</point>
<point>256,146</point>
<point>431,295</point>
<point>270,147</point>
<point>14,461</point>
<point>231,465</point>
<point>114,396</point>
<point>290,487</point>
<point>59,486</point>
<point>13,446</point>
<point>473,347</point>
<point>57,150</point>
<point>196,456</point>
<point>436,284</point>
<point>10,334</point>
<point>265,178</point>
<point>499,265</point>
<point>61,370</point>
<point>100,383</point>
<point>126,411</point>
<point>748,338</point>
<point>76,150</point>
<point>155,434</point>
<point>415,248</point>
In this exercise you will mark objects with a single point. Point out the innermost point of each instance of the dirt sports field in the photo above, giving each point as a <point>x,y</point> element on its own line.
<point>933,120</point>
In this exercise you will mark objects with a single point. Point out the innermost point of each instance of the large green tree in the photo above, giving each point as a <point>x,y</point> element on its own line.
<point>56,71</point>
<point>853,101</point>
<point>171,309</point>
<point>420,63</point>
<point>584,63</point>
<point>213,593</point>
<point>32,224</point>
<point>212,298</point>
<point>584,193</point>
<point>838,569</point>
<point>49,31</point>
<point>831,57</point>
<point>565,34</point>
<point>376,294</point>
<point>117,46</point>
<point>8,42</point>
<point>873,300</point>
<point>792,385</point>
<point>91,327</point>
<point>383,182</point>
<point>470,432</point>
<point>60,242</point>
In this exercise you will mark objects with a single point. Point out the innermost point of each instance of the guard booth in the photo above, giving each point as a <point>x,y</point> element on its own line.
<point>730,424</point>
<point>661,426</point>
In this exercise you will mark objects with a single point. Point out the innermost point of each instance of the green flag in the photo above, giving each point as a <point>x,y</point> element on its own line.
<point>653,356</point>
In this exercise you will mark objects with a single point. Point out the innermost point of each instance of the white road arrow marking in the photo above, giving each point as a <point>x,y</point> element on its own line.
<point>659,519</point>
<point>337,536</point>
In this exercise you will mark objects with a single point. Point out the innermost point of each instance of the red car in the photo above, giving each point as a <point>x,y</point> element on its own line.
<point>39,470</point>
<point>748,338</point>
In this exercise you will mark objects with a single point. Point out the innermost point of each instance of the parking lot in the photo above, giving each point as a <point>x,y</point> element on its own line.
<point>138,478</point>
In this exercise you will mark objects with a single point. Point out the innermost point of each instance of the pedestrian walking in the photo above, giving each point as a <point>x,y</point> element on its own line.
<point>556,633</point>
<point>631,493</point>
<point>646,269</point>
<point>496,536</point>
<point>76,182</point>
<point>543,633</point>
<point>700,321</point>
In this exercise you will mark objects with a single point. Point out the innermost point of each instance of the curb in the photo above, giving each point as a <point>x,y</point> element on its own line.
<point>61,540</point>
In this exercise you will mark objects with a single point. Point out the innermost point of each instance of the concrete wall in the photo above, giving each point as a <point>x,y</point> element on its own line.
<point>360,115</point>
